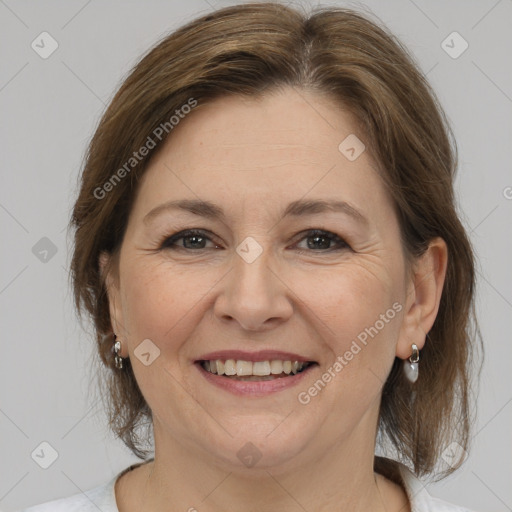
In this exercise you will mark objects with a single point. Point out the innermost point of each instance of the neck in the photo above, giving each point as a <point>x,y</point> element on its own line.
<point>340,479</point>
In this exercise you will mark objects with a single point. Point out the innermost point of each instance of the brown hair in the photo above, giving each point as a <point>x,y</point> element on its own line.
<point>247,50</point>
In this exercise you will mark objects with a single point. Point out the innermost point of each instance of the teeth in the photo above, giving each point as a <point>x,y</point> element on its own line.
<point>276,367</point>
<point>261,368</point>
<point>230,367</point>
<point>242,368</point>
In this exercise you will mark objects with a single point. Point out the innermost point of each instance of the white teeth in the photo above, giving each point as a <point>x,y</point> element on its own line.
<point>243,368</point>
<point>261,368</point>
<point>230,367</point>
<point>276,367</point>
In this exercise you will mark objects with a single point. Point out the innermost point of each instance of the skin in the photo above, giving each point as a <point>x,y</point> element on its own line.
<point>252,157</point>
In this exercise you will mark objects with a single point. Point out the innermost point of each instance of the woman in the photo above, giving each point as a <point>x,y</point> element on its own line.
<point>267,242</point>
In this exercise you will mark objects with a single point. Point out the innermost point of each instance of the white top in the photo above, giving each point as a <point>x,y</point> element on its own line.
<point>103,498</point>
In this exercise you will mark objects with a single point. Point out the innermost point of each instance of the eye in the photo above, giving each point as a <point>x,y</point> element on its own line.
<point>193,239</point>
<point>321,241</point>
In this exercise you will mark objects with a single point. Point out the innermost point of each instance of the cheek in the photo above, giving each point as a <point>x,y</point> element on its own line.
<point>163,303</point>
<point>354,308</point>
<point>154,301</point>
<point>358,315</point>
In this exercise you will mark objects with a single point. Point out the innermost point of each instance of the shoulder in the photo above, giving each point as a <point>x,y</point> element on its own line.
<point>420,499</point>
<point>101,498</point>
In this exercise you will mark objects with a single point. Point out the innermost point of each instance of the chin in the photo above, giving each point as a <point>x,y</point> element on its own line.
<point>262,443</point>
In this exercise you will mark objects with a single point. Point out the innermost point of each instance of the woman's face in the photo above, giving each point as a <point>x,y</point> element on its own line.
<point>252,279</point>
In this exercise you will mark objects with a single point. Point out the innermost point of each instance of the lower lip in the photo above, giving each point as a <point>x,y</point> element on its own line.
<point>253,388</point>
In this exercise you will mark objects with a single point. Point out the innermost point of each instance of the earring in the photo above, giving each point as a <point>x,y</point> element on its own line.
<point>411,365</point>
<point>117,349</point>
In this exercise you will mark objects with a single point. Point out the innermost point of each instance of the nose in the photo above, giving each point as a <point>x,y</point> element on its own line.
<point>254,295</point>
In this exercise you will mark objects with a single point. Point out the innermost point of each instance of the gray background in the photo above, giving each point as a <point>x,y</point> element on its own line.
<point>50,108</point>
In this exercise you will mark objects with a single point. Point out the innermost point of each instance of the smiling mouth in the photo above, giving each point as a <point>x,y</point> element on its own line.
<point>255,371</point>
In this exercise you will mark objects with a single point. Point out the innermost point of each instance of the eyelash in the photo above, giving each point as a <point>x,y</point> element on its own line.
<point>168,242</point>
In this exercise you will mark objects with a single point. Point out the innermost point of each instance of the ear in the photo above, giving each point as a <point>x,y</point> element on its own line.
<point>110,276</point>
<point>424,291</point>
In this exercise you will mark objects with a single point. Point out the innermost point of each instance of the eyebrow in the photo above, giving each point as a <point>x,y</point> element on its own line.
<point>299,208</point>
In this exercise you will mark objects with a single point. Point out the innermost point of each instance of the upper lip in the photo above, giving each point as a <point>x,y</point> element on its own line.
<point>260,355</point>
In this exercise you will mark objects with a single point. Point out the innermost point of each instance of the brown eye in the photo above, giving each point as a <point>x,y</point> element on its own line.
<point>193,239</point>
<point>321,241</point>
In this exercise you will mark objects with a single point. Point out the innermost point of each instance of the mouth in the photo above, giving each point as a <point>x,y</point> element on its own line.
<point>254,374</point>
<point>254,371</point>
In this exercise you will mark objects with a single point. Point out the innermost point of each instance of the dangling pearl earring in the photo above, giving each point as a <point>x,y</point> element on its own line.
<point>411,365</point>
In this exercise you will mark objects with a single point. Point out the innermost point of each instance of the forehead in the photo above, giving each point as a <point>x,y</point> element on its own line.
<point>289,124</point>
<point>261,152</point>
